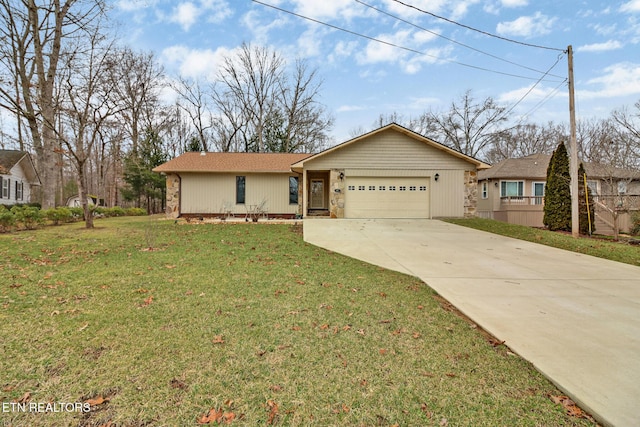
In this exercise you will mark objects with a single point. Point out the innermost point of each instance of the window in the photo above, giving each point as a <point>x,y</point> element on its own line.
<point>361,187</point>
<point>5,188</point>
<point>538,192</point>
<point>485,190</point>
<point>622,187</point>
<point>412,188</point>
<point>423,188</point>
<point>19,190</point>
<point>381,188</point>
<point>372,188</point>
<point>240,189</point>
<point>402,188</point>
<point>352,187</point>
<point>511,188</point>
<point>293,190</point>
<point>392,188</point>
<point>593,188</point>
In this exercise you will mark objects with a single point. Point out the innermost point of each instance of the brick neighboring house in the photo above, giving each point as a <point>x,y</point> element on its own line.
<point>513,191</point>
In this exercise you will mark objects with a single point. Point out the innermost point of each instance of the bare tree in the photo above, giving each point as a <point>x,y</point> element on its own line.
<point>85,107</point>
<point>306,121</point>
<point>194,102</point>
<point>137,79</point>
<point>468,126</point>
<point>251,79</point>
<point>34,34</point>
<point>523,140</point>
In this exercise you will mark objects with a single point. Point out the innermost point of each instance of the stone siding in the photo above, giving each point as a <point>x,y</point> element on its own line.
<point>173,196</point>
<point>336,193</point>
<point>470,194</point>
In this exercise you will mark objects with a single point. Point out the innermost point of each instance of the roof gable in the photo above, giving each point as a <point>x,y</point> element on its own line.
<point>12,158</point>
<point>232,162</point>
<point>393,127</point>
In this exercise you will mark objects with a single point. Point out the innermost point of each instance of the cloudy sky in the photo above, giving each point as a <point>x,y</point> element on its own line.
<point>383,56</point>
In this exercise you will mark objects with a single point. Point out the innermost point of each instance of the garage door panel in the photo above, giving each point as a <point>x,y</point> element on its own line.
<point>387,197</point>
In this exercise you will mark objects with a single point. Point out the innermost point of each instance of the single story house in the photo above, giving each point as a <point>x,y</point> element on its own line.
<point>18,176</point>
<point>390,172</point>
<point>513,191</point>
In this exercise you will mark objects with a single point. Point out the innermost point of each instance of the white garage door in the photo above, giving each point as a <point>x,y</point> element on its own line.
<point>386,197</point>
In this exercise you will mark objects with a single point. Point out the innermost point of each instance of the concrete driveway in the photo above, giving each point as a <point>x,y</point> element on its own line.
<point>575,317</point>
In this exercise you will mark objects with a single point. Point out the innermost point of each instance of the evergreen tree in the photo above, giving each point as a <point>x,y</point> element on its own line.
<point>557,199</point>
<point>143,184</point>
<point>582,203</point>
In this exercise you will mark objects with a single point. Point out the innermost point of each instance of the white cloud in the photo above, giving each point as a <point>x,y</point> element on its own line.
<point>631,6</point>
<point>133,5</point>
<point>194,63</point>
<point>527,26</point>
<point>252,20</point>
<point>538,93</point>
<point>350,108</point>
<point>622,79</point>
<point>345,9</point>
<point>600,47</point>
<point>185,14</point>
<point>515,3</point>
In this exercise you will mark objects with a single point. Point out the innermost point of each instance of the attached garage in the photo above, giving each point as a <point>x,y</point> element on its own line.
<point>391,172</point>
<point>387,197</point>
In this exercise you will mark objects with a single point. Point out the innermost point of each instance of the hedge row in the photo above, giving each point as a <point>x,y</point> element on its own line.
<point>31,217</point>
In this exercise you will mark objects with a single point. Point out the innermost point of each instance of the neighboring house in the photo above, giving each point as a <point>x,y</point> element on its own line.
<point>75,201</point>
<point>18,176</point>
<point>513,191</point>
<point>391,172</point>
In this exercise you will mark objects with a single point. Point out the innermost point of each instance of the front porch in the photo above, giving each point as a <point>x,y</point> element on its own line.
<point>323,193</point>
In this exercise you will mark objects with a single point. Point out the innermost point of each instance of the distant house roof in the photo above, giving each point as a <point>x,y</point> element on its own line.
<point>232,162</point>
<point>535,167</point>
<point>10,158</point>
<point>394,126</point>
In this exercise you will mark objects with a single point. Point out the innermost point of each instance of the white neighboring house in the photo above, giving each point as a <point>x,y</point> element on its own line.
<point>18,176</point>
<point>75,202</point>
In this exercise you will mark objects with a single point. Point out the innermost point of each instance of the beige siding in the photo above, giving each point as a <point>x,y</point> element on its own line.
<point>388,150</point>
<point>447,195</point>
<point>216,193</point>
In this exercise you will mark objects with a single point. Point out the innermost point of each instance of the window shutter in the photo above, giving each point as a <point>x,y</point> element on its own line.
<point>8,188</point>
<point>1,186</point>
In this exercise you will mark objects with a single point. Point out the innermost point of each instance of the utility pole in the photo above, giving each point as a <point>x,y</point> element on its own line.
<point>573,150</point>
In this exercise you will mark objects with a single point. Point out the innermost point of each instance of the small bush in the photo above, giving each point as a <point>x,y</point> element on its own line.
<point>115,211</point>
<point>635,223</point>
<point>30,217</point>
<point>136,212</point>
<point>58,215</point>
<point>7,219</point>
<point>77,213</point>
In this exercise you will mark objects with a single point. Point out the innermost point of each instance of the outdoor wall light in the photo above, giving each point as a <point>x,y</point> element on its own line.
<point>437,177</point>
<point>341,176</point>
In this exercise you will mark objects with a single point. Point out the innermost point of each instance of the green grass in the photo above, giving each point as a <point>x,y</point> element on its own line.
<point>245,318</point>
<point>601,246</point>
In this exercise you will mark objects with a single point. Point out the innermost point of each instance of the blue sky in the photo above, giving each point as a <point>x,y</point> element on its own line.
<point>435,63</point>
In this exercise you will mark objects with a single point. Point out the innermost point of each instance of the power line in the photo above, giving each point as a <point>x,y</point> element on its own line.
<point>477,30</point>
<point>335,27</point>
<point>451,40</point>
<point>534,86</point>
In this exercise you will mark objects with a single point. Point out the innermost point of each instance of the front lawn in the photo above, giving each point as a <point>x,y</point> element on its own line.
<point>153,323</point>
<point>600,247</point>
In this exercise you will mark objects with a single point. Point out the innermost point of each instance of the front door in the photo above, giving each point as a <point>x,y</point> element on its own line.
<point>317,194</point>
